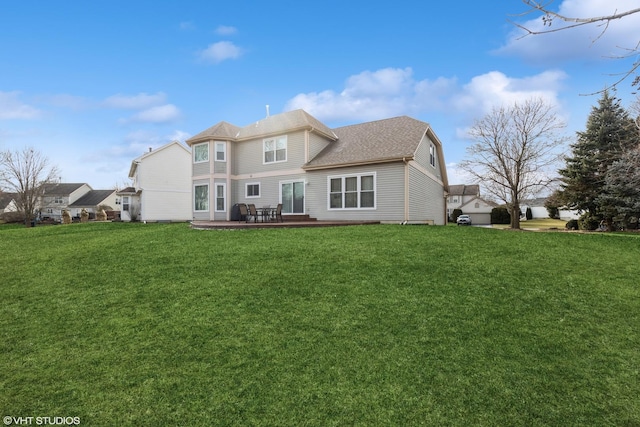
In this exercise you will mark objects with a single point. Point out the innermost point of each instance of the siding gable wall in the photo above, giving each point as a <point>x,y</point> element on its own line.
<point>426,198</point>
<point>166,185</point>
<point>248,158</point>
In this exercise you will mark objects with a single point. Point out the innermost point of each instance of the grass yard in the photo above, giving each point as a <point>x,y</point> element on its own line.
<point>158,324</point>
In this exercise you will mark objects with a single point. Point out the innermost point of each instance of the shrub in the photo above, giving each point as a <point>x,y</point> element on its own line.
<point>588,221</point>
<point>500,215</point>
<point>11,217</point>
<point>456,213</point>
<point>529,213</point>
<point>572,224</point>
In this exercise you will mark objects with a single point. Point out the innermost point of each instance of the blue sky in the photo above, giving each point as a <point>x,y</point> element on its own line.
<point>93,85</point>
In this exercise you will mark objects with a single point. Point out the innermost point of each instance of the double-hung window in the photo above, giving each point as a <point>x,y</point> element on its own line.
<point>221,152</point>
<point>201,153</point>
<point>252,189</point>
<point>275,149</point>
<point>201,198</point>
<point>352,191</point>
<point>220,198</point>
<point>125,203</point>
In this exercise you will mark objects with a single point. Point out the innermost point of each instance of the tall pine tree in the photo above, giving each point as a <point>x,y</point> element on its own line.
<point>609,132</point>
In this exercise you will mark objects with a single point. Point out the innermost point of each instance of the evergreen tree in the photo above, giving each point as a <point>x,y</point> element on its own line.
<point>609,132</point>
<point>622,190</point>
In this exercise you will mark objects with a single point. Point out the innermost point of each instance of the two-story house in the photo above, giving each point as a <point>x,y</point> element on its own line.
<point>73,197</point>
<point>161,186</point>
<point>390,170</point>
<point>467,199</point>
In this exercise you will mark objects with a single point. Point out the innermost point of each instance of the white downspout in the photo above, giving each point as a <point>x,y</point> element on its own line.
<point>406,190</point>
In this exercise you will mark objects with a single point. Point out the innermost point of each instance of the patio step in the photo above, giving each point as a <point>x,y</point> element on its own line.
<point>297,218</point>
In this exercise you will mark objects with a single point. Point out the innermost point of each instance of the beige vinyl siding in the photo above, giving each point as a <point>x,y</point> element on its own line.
<point>316,144</point>
<point>248,155</point>
<point>426,199</point>
<point>389,193</point>
<point>269,189</point>
<point>422,156</point>
<point>201,168</point>
<point>220,167</point>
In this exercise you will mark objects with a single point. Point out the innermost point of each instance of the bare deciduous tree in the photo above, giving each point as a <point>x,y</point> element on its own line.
<point>25,173</point>
<point>570,22</point>
<point>513,148</point>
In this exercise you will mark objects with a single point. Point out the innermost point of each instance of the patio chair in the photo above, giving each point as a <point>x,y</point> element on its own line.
<point>278,213</point>
<point>244,213</point>
<point>253,212</point>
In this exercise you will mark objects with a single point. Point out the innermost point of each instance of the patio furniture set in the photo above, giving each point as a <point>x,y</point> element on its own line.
<point>250,213</point>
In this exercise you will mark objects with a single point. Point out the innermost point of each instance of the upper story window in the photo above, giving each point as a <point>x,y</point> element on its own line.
<point>432,155</point>
<point>58,200</point>
<point>221,152</point>
<point>275,149</point>
<point>201,152</point>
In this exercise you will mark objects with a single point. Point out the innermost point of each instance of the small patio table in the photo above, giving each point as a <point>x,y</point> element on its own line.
<point>266,212</point>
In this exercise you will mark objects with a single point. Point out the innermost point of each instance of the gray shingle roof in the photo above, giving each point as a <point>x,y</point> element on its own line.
<point>61,189</point>
<point>6,198</point>
<point>222,130</point>
<point>464,190</point>
<point>92,198</point>
<point>381,140</point>
<point>278,123</point>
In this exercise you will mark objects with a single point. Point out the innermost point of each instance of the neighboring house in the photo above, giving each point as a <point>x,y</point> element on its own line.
<point>161,186</point>
<point>390,170</point>
<point>58,196</point>
<point>460,195</point>
<point>91,201</point>
<point>467,199</point>
<point>479,210</point>
<point>538,210</point>
<point>8,202</point>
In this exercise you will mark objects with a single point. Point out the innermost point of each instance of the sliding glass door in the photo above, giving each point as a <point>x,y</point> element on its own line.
<point>292,196</point>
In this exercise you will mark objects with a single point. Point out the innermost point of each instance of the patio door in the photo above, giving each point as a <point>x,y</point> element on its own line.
<point>292,196</point>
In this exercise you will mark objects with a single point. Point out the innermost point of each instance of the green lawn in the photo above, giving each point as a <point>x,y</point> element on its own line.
<point>158,324</point>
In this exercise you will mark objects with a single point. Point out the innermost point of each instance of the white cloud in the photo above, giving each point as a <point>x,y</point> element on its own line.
<point>486,91</point>
<point>134,102</point>
<point>225,30</point>
<point>221,51</point>
<point>160,114</point>
<point>373,95</point>
<point>12,108</point>
<point>592,41</point>
<point>391,92</point>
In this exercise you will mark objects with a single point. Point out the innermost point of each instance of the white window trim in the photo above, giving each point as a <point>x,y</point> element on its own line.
<point>432,155</point>
<point>224,197</point>
<point>246,190</point>
<point>275,139</point>
<point>359,190</point>
<point>194,152</point>
<point>208,197</point>
<point>223,151</point>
